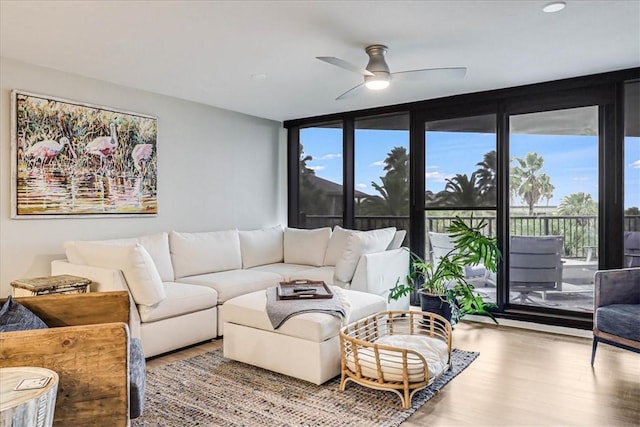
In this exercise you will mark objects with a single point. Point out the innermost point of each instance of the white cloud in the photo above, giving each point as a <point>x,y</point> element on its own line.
<point>330,156</point>
<point>580,178</point>
<point>433,167</point>
<point>361,186</point>
<point>378,163</point>
<point>636,164</point>
<point>317,168</point>
<point>437,176</point>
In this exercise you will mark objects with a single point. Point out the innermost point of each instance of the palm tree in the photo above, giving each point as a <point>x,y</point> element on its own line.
<point>528,183</point>
<point>583,206</point>
<point>462,191</point>
<point>487,175</point>
<point>578,204</point>
<point>394,191</point>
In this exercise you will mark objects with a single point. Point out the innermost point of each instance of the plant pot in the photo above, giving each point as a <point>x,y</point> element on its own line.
<point>435,304</point>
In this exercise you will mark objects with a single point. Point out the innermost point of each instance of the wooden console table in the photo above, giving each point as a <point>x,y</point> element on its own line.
<point>31,407</point>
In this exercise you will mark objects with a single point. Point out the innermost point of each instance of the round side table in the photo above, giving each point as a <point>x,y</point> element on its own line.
<point>29,407</point>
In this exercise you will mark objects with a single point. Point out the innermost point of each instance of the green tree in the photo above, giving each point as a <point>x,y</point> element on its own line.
<point>394,190</point>
<point>487,175</point>
<point>582,206</point>
<point>462,190</point>
<point>312,200</point>
<point>578,204</point>
<point>528,182</point>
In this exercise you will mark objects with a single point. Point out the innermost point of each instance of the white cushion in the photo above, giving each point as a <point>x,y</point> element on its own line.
<point>249,310</point>
<point>434,350</point>
<point>205,252</point>
<point>397,240</point>
<point>157,245</point>
<point>324,274</point>
<point>181,299</point>
<point>260,247</point>
<point>281,269</point>
<point>306,246</point>
<point>136,265</point>
<point>337,245</point>
<point>358,244</point>
<point>230,284</point>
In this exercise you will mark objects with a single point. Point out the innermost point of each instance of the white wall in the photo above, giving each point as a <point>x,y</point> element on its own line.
<point>217,169</point>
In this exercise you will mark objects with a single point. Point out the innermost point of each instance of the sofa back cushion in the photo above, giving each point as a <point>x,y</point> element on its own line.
<point>136,265</point>
<point>358,244</point>
<point>157,245</point>
<point>260,247</point>
<point>396,242</point>
<point>204,252</point>
<point>337,245</point>
<point>306,246</point>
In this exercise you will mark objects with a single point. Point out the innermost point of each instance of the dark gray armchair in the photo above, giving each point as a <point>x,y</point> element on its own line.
<point>616,316</point>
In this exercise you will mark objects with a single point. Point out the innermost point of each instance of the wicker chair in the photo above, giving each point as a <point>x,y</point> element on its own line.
<point>398,351</point>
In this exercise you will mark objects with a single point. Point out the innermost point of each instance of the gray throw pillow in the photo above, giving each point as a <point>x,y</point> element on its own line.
<point>17,317</point>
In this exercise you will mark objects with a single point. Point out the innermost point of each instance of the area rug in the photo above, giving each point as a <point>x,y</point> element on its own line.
<point>209,390</point>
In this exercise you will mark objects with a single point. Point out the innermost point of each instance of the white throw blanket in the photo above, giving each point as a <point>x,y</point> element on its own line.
<point>281,310</point>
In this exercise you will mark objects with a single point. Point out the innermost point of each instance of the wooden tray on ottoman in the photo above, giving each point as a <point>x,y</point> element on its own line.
<point>303,289</point>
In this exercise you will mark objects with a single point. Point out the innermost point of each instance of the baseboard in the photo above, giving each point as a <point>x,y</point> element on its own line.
<point>561,330</point>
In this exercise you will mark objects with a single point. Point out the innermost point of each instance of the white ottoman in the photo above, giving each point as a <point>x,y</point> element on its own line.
<point>307,346</point>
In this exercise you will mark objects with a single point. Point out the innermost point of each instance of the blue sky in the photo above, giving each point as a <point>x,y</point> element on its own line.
<point>570,161</point>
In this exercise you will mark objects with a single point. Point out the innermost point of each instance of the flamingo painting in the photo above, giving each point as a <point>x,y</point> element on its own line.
<point>103,146</point>
<point>140,155</point>
<point>48,149</point>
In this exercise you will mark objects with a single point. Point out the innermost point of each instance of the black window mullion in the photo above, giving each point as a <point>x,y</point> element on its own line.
<point>416,185</point>
<point>348,194</point>
<point>293,176</point>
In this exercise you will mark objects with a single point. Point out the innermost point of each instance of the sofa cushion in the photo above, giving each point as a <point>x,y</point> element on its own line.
<point>157,245</point>
<point>205,252</point>
<point>324,274</point>
<point>260,247</point>
<point>230,284</point>
<point>249,310</point>
<point>398,238</point>
<point>282,269</point>
<point>306,246</point>
<point>337,244</point>
<point>136,265</point>
<point>16,317</point>
<point>620,320</point>
<point>358,244</point>
<point>182,298</point>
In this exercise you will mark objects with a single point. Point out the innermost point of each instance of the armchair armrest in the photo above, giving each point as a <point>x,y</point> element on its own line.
<point>377,273</point>
<point>92,363</point>
<point>79,309</point>
<point>617,287</point>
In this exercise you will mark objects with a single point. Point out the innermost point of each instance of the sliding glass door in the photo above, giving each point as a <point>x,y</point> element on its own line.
<point>553,212</point>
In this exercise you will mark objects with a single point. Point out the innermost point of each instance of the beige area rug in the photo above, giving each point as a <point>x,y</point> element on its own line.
<point>209,390</point>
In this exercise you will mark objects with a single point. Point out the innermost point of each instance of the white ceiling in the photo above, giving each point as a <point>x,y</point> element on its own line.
<point>206,51</point>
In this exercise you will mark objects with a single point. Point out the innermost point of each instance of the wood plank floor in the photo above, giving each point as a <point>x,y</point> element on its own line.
<point>523,378</point>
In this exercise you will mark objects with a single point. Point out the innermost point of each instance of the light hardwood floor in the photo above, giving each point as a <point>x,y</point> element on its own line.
<point>523,378</point>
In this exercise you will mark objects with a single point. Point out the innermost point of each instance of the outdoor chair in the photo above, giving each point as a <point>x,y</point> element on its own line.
<point>632,249</point>
<point>616,313</point>
<point>442,244</point>
<point>535,266</point>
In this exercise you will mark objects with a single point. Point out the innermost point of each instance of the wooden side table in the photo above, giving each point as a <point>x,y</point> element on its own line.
<point>62,284</point>
<point>29,407</point>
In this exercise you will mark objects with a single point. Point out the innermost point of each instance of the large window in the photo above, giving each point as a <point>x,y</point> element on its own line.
<point>632,175</point>
<point>553,221</point>
<point>461,180</point>
<point>320,177</point>
<point>381,166</point>
<point>546,166</point>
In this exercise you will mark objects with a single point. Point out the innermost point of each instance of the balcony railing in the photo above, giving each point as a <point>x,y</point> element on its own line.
<point>580,232</point>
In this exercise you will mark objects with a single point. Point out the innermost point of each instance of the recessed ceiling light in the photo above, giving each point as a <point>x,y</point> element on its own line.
<point>259,76</point>
<point>555,6</point>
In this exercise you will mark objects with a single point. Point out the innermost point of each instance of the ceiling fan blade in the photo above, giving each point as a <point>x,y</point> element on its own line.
<point>350,92</point>
<point>430,74</point>
<point>344,64</point>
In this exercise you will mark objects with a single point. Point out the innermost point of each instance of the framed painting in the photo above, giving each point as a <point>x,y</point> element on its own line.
<point>75,159</point>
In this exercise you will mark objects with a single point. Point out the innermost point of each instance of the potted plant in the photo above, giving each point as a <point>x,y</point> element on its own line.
<point>443,287</point>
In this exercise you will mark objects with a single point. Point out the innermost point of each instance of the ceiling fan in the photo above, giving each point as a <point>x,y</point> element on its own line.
<point>378,76</point>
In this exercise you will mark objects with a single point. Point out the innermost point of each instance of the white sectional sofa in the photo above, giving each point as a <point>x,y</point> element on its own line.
<point>179,282</point>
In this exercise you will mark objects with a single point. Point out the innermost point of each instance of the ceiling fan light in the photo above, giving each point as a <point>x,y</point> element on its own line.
<point>555,6</point>
<point>376,82</point>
